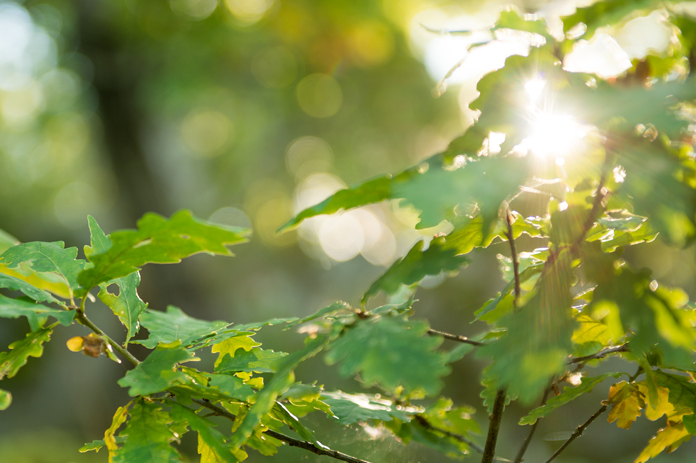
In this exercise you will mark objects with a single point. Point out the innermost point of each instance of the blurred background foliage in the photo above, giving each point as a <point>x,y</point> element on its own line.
<point>245,112</point>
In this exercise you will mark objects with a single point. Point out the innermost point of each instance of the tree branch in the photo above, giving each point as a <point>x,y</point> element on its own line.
<point>494,426</point>
<point>528,440</point>
<point>82,319</point>
<point>578,432</point>
<point>513,256</point>
<point>601,354</point>
<point>456,337</point>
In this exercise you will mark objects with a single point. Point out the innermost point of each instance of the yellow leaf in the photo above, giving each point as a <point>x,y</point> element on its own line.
<point>668,438</point>
<point>109,440</point>
<point>46,281</point>
<point>208,455</point>
<point>229,346</point>
<point>627,401</point>
<point>663,407</point>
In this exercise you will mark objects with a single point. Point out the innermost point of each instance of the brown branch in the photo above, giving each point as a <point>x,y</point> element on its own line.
<point>578,432</point>
<point>82,319</point>
<point>528,440</point>
<point>456,337</point>
<point>601,354</point>
<point>494,426</point>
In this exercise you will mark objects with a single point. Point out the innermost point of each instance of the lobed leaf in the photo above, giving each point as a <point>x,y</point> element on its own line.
<point>668,438</point>
<point>157,240</point>
<point>147,436</point>
<point>127,306</point>
<point>15,284</point>
<point>157,372</point>
<point>391,352</point>
<point>256,360</point>
<point>174,325</point>
<point>20,351</point>
<point>354,408</point>
<point>44,257</point>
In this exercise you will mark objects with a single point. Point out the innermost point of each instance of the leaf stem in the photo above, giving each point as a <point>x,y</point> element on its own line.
<point>456,337</point>
<point>513,255</point>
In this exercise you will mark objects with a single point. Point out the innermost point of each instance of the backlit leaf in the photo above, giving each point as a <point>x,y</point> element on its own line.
<point>158,240</point>
<point>229,346</point>
<point>353,408</point>
<point>668,438</point>
<point>109,439</point>
<point>256,360</point>
<point>538,339</point>
<point>391,352</point>
<point>627,402</point>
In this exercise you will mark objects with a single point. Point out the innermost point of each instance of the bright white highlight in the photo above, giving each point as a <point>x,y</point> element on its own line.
<point>554,135</point>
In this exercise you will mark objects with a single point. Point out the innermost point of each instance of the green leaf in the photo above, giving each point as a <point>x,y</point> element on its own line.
<point>174,325</point>
<point>604,13</point>
<point>353,408</point>
<point>46,258</point>
<point>279,383</point>
<point>7,241</point>
<point>127,306</point>
<point>158,240</point>
<point>99,240</point>
<point>20,351</point>
<point>538,339</point>
<point>231,386</point>
<point>391,352</point>
<point>280,412</point>
<point>15,284</point>
<point>652,186</point>
<point>569,393</point>
<point>256,360</point>
<point>328,310</point>
<point>157,372</point>
<point>147,436</point>
<point>5,399</point>
<point>484,182</point>
<point>205,429</point>
<point>230,345</point>
<point>444,254</point>
<point>35,313</point>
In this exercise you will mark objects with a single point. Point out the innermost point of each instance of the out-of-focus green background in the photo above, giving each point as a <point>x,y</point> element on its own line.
<point>245,111</point>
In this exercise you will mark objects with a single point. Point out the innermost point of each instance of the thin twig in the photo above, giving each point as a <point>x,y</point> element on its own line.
<point>513,256</point>
<point>291,441</point>
<point>473,445</point>
<point>578,432</point>
<point>456,337</point>
<point>601,354</point>
<point>82,318</point>
<point>528,440</point>
<point>494,426</point>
